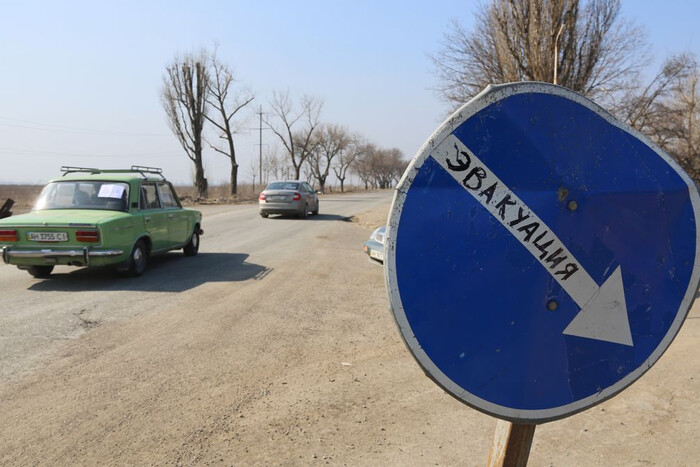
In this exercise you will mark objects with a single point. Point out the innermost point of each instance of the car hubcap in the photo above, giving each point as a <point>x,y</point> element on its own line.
<point>138,256</point>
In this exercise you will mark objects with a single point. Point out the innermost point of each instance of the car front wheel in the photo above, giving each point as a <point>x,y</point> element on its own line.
<point>192,247</point>
<point>40,272</point>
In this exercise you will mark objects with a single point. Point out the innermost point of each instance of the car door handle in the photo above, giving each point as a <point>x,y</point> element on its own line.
<point>170,217</point>
<point>147,219</point>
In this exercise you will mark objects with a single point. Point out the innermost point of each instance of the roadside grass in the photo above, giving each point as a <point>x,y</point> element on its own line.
<point>221,194</point>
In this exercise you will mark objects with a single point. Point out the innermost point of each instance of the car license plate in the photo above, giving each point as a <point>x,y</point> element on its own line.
<point>377,254</point>
<point>278,197</point>
<point>47,236</point>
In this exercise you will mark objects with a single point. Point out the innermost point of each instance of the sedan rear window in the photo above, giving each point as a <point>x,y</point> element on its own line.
<point>103,195</point>
<point>282,186</point>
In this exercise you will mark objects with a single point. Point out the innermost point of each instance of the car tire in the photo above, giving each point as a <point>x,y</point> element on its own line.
<point>264,215</point>
<point>315,211</point>
<point>192,247</point>
<point>303,214</point>
<point>138,260</point>
<point>40,272</point>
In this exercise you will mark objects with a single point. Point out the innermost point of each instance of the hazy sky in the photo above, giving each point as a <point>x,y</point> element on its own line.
<point>80,81</point>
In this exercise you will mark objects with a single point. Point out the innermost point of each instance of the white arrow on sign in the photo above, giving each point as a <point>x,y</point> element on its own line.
<point>603,314</point>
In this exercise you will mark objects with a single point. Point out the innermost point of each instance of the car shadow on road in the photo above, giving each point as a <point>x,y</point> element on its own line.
<point>316,217</point>
<point>170,272</point>
<point>330,217</point>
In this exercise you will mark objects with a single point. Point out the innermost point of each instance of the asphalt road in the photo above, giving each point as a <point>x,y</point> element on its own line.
<point>237,245</point>
<point>274,346</point>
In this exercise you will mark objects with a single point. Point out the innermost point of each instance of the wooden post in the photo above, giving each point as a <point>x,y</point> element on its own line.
<point>511,444</point>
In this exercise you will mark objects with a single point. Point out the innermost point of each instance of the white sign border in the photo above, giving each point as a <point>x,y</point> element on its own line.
<point>488,96</point>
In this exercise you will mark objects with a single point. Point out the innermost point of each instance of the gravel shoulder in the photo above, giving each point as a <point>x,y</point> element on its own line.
<point>272,371</point>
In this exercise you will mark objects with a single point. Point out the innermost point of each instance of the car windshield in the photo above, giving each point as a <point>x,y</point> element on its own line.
<point>282,186</point>
<point>105,195</point>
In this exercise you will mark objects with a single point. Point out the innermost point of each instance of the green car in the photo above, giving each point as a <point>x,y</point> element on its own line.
<point>93,217</point>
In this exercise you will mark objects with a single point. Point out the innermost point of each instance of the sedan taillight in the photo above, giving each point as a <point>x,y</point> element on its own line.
<point>87,236</point>
<point>296,197</point>
<point>262,197</point>
<point>8,236</point>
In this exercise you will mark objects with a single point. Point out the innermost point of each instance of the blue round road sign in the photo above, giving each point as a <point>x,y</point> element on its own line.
<point>540,255</point>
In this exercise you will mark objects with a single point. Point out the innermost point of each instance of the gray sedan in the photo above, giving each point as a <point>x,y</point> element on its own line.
<point>289,197</point>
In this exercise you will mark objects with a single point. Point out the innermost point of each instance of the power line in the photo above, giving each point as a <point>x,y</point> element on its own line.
<point>17,123</point>
<point>32,152</point>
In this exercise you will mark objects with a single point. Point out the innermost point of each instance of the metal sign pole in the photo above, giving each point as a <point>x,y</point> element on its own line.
<point>511,444</point>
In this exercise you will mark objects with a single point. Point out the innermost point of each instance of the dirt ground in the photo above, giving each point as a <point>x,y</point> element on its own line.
<point>268,372</point>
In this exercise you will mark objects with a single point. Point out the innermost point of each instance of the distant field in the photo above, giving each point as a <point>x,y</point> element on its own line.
<point>25,195</point>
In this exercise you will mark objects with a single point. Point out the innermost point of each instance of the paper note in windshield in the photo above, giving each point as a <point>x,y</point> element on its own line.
<point>111,191</point>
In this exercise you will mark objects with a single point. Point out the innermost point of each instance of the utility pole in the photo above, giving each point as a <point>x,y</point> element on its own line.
<point>260,130</point>
<point>556,54</point>
<point>260,154</point>
<point>556,46</point>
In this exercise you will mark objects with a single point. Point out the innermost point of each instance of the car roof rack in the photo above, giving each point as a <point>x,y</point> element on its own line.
<point>143,170</point>
<point>68,169</point>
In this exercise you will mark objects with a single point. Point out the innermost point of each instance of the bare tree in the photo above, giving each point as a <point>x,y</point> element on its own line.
<point>686,145</point>
<point>650,109</point>
<point>184,98</point>
<point>308,174</point>
<point>379,168</point>
<point>347,158</point>
<point>298,143</point>
<point>667,110</point>
<point>331,141</point>
<point>582,45</point>
<point>253,170</point>
<point>272,165</point>
<point>363,165</point>
<point>388,167</point>
<point>226,106</point>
